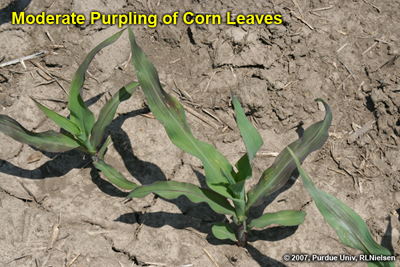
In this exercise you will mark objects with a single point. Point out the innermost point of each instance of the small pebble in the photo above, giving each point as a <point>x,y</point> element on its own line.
<point>35,156</point>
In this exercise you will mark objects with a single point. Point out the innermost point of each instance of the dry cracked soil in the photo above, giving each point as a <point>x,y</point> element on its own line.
<point>58,210</point>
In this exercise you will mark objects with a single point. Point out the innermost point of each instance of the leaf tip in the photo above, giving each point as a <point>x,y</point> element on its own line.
<point>230,88</point>
<point>323,102</point>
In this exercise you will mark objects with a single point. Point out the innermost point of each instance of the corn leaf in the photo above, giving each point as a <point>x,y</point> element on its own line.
<point>64,123</point>
<point>252,141</point>
<point>276,176</point>
<point>80,113</point>
<point>251,137</point>
<point>171,190</point>
<point>229,178</point>
<point>244,169</point>
<point>238,193</point>
<point>108,111</point>
<point>240,208</point>
<point>223,231</point>
<point>113,175</point>
<point>283,217</point>
<point>48,141</point>
<point>170,113</point>
<point>238,190</point>
<point>103,148</point>
<point>350,227</point>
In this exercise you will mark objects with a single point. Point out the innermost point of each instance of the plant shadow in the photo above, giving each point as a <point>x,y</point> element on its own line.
<point>387,238</point>
<point>145,172</point>
<point>203,223</point>
<point>62,163</point>
<point>263,260</point>
<point>15,6</point>
<point>201,218</point>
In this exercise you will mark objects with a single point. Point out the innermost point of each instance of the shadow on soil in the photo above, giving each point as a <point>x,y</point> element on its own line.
<point>63,163</point>
<point>15,6</point>
<point>386,239</point>
<point>201,218</point>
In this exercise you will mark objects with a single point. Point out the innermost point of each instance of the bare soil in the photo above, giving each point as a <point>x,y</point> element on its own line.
<point>342,51</point>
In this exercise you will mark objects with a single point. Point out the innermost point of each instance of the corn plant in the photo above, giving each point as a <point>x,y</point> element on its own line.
<point>224,182</point>
<point>350,227</point>
<point>84,133</point>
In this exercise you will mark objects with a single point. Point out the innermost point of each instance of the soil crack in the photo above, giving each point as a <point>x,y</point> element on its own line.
<point>126,253</point>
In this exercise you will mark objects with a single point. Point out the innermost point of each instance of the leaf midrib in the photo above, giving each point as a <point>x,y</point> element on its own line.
<point>301,149</point>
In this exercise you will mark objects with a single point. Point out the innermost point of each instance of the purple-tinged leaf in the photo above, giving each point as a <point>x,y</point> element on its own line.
<point>276,176</point>
<point>48,141</point>
<point>350,227</point>
<point>80,113</point>
<point>171,115</point>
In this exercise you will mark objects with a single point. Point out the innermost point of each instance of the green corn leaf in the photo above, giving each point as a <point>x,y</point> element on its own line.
<point>170,113</point>
<point>238,193</point>
<point>113,175</point>
<point>251,137</point>
<point>284,217</point>
<point>229,178</point>
<point>252,141</point>
<point>350,227</point>
<point>276,176</point>
<point>80,113</point>
<point>380,264</point>
<point>223,231</point>
<point>171,190</point>
<point>102,150</point>
<point>108,111</point>
<point>238,190</point>
<point>48,141</point>
<point>240,208</point>
<point>64,123</point>
<point>244,169</point>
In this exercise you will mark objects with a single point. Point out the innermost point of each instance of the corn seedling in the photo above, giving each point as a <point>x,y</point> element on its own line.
<point>224,182</point>
<point>350,227</point>
<point>84,132</point>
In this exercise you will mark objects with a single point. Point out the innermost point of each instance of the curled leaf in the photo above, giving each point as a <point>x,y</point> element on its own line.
<point>276,176</point>
<point>80,113</point>
<point>171,115</point>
